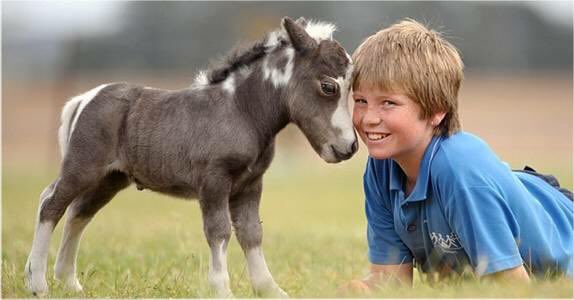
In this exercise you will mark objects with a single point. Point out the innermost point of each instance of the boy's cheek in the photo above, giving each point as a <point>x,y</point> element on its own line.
<point>357,125</point>
<point>361,137</point>
<point>356,119</point>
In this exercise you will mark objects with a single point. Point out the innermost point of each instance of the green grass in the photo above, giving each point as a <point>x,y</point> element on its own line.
<point>149,245</point>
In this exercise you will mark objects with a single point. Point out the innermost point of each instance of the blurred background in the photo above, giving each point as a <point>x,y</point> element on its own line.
<point>517,95</point>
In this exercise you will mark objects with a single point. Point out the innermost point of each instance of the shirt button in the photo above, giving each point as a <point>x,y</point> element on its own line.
<point>412,227</point>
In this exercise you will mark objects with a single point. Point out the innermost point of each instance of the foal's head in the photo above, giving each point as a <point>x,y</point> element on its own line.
<point>311,71</point>
<point>318,89</point>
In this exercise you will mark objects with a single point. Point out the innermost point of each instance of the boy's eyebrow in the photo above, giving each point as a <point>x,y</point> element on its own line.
<point>376,96</point>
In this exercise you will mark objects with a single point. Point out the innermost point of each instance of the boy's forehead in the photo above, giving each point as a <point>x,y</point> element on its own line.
<point>370,78</point>
<point>375,89</point>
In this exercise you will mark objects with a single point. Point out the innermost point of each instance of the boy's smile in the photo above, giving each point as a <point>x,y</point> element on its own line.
<point>376,137</point>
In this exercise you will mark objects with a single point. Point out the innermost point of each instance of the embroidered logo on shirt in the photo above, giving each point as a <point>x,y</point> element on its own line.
<point>448,242</point>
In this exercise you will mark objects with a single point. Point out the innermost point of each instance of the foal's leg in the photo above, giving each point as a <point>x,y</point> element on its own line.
<point>214,201</point>
<point>35,269</point>
<point>244,209</point>
<point>79,214</point>
<point>53,203</point>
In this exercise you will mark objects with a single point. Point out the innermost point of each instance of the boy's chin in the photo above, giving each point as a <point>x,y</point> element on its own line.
<point>377,154</point>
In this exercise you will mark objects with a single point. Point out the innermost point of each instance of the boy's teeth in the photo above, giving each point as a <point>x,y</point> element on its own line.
<point>376,136</point>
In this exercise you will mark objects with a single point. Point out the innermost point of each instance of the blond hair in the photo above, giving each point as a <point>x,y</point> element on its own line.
<point>411,59</point>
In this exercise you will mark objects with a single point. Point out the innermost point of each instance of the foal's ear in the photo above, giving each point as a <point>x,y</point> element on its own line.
<point>300,39</point>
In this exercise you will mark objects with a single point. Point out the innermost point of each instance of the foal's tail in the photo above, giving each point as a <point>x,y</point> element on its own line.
<point>70,114</point>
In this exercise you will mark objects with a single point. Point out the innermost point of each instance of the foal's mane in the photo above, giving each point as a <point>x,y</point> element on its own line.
<point>243,56</point>
<point>240,56</point>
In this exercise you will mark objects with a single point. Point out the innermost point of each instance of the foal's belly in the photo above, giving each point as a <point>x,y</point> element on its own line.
<point>178,191</point>
<point>166,186</point>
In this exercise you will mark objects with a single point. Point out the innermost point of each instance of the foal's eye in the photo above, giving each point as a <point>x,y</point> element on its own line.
<point>329,88</point>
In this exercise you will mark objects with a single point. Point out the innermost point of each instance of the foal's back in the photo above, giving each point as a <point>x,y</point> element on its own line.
<point>163,140</point>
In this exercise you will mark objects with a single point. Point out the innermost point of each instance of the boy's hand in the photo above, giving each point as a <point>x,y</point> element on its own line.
<point>379,275</point>
<point>355,287</point>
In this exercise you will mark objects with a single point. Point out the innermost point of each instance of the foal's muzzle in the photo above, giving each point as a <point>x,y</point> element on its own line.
<point>346,153</point>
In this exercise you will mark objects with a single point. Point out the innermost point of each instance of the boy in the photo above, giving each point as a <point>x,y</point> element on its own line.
<point>436,196</point>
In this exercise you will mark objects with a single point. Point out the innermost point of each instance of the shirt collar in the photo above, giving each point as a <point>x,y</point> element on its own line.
<point>421,187</point>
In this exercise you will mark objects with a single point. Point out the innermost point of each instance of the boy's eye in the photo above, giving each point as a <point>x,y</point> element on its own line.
<point>388,103</point>
<point>360,101</point>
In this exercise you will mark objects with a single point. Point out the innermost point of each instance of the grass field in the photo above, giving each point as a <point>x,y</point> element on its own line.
<point>149,245</point>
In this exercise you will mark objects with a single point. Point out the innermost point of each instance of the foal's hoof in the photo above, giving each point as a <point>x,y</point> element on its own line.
<point>280,293</point>
<point>224,294</point>
<point>37,285</point>
<point>73,285</point>
<point>275,292</point>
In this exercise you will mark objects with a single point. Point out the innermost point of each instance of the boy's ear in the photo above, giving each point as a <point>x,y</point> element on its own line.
<point>300,39</point>
<point>437,118</point>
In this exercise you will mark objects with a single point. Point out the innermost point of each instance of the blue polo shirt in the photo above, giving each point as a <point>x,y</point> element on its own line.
<point>467,209</point>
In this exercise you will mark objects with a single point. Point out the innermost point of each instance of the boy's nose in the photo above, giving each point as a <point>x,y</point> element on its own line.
<point>372,117</point>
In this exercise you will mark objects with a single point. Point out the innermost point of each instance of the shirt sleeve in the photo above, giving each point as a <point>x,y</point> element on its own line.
<point>385,246</point>
<point>486,228</point>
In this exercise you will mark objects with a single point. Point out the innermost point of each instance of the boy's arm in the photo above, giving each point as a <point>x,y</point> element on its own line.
<point>518,274</point>
<point>479,215</point>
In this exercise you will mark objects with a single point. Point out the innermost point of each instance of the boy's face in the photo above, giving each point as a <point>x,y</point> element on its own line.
<point>389,125</point>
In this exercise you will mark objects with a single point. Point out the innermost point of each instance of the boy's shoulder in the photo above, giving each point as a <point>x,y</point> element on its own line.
<point>463,153</point>
<point>463,142</point>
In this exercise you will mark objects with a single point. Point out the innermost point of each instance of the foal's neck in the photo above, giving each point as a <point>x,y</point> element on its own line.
<point>264,105</point>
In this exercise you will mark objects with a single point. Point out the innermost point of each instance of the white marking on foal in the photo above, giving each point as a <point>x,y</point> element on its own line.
<point>218,276</point>
<point>80,102</point>
<point>64,129</point>
<point>316,29</point>
<point>279,77</point>
<point>229,84</point>
<point>36,265</point>
<point>65,266</point>
<point>38,260</point>
<point>320,30</point>
<point>341,117</point>
<point>200,80</point>
<point>259,274</point>
<point>273,40</point>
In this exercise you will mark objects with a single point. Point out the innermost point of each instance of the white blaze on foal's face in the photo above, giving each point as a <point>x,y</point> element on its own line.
<point>341,117</point>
